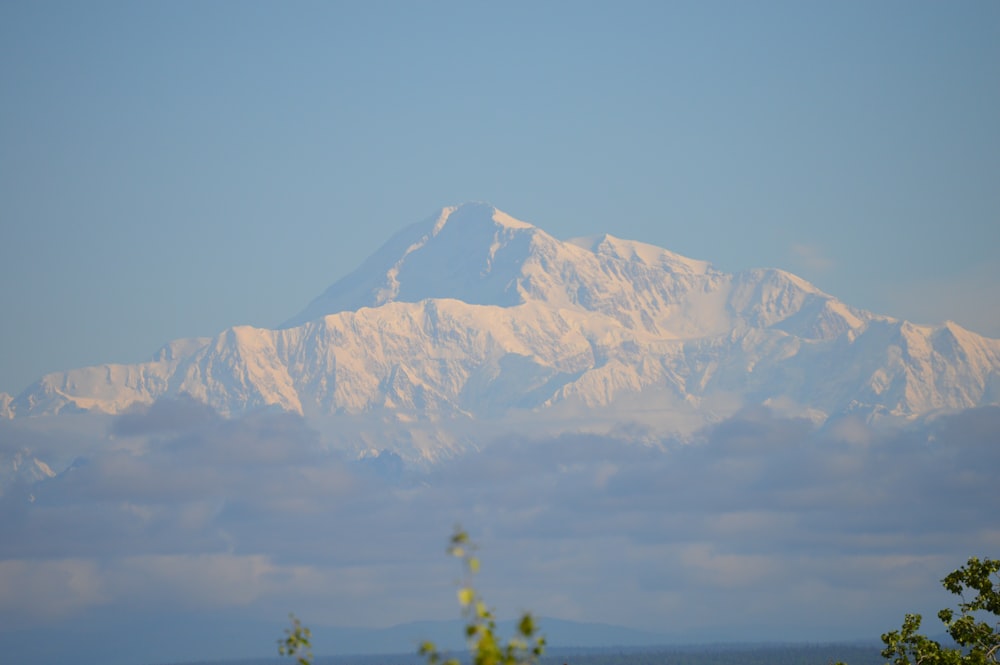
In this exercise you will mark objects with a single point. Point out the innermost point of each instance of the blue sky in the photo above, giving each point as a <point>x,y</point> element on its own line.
<point>171,169</point>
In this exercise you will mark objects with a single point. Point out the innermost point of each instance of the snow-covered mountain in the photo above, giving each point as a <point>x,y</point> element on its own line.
<point>472,314</point>
<point>21,467</point>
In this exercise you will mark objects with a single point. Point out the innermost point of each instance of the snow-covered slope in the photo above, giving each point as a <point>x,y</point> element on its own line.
<point>474,314</point>
<point>470,253</point>
<point>21,467</point>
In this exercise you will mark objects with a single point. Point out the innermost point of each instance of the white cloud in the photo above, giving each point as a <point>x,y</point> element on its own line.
<point>37,591</point>
<point>810,258</point>
<point>760,511</point>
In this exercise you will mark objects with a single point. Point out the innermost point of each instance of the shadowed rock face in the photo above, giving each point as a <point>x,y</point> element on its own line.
<point>472,314</point>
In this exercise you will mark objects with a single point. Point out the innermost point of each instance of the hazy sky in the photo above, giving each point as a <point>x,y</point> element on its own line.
<point>170,169</point>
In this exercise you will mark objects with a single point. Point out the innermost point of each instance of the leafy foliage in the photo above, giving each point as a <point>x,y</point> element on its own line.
<point>978,641</point>
<point>297,643</point>
<point>480,629</point>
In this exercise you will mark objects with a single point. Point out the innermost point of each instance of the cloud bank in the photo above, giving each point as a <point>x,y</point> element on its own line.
<point>763,528</point>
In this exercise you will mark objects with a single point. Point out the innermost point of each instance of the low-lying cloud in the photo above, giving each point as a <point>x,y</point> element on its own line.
<point>763,528</point>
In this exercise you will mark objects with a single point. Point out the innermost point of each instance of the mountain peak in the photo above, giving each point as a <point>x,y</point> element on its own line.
<point>634,251</point>
<point>479,214</point>
<point>473,313</point>
<point>470,252</point>
<point>476,214</point>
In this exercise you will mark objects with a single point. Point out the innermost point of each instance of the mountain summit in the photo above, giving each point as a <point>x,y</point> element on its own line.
<point>472,314</point>
<point>471,253</point>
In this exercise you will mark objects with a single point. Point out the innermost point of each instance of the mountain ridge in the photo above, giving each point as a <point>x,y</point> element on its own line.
<point>471,313</point>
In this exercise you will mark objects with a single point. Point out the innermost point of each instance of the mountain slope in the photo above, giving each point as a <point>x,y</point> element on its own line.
<point>469,253</point>
<point>21,467</point>
<point>472,314</point>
